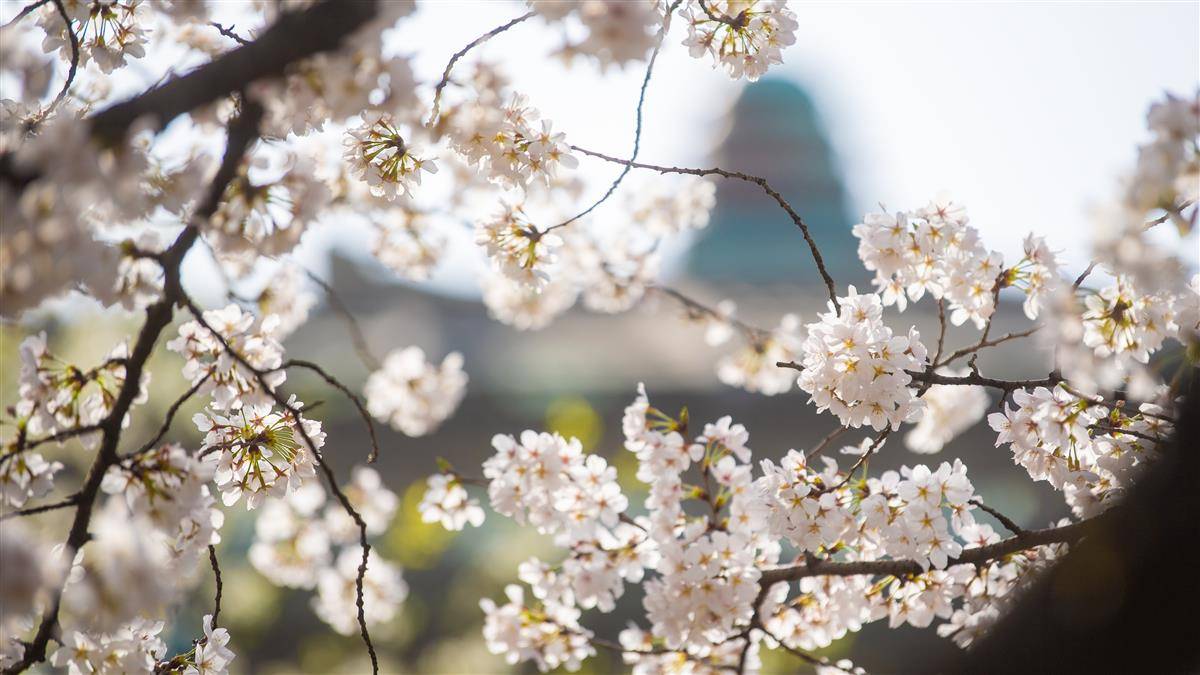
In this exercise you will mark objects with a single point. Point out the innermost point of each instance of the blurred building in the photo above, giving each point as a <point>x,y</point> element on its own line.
<point>775,132</point>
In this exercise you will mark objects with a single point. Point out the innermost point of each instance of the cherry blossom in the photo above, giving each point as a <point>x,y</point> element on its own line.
<point>414,396</point>
<point>745,37</point>
<point>855,367</point>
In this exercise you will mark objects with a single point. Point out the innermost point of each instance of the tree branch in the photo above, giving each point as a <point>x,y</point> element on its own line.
<point>62,93</point>
<point>333,382</point>
<point>26,11</point>
<point>637,133</point>
<point>34,510</point>
<point>330,478</point>
<point>983,554</point>
<point>216,568</point>
<point>437,90</point>
<point>295,36</point>
<point>761,182</point>
<point>158,316</point>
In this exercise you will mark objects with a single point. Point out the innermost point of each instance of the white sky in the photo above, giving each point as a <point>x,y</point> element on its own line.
<point>1025,112</point>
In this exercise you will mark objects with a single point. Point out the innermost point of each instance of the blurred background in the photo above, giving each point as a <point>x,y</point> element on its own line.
<point>1027,113</point>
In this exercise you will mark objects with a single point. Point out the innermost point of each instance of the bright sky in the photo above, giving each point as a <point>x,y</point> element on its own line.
<point>1025,112</point>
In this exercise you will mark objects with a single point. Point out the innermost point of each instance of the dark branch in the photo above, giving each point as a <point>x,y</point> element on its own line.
<point>243,130</point>
<point>216,568</point>
<point>34,510</point>
<point>171,412</point>
<point>966,351</point>
<point>229,33</point>
<point>437,91</point>
<point>295,36</point>
<point>62,12</point>
<point>26,11</point>
<point>983,554</point>
<point>1004,520</point>
<point>333,382</point>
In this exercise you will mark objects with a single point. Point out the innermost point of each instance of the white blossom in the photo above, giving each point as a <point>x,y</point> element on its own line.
<point>383,592</point>
<point>745,37</point>
<point>415,396</point>
<point>446,501</point>
<point>855,367</point>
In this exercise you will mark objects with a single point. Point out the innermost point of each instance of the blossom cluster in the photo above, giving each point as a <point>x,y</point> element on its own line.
<point>1106,338</point>
<point>511,142</point>
<point>260,451</point>
<point>934,250</point>
<point>216,371</point>
<point>413,395</point>
<point>169,487</point>
<point>701,569</point>
<point>855,367</point>
<point>745,37</point>
<point>377,153</point>
<point>1091,452</point>
<point>309,542</point>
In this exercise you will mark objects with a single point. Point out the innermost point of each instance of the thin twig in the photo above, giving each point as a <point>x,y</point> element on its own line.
<point>965,351</point>
<point>762,183</point>
<point>34,510</point>
<point>62,11</point>
<point>829,438</point>
<point>1004,520</point>
<point>437,90</point>
<point>362,409</point>
<point>228,32</point>
<point>171,412</point>
<point>25,12</point>
<point>357,336</point>
<point>697,309</point>
<point>637,132</point>
<point>330,478</point>
<point>216,568</point>
<point>862,459</point>
<point>52,438</point>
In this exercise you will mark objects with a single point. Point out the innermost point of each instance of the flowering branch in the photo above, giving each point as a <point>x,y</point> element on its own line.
<point>242,131</point>
<point>1064,534</point>
<point>330,478</point>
